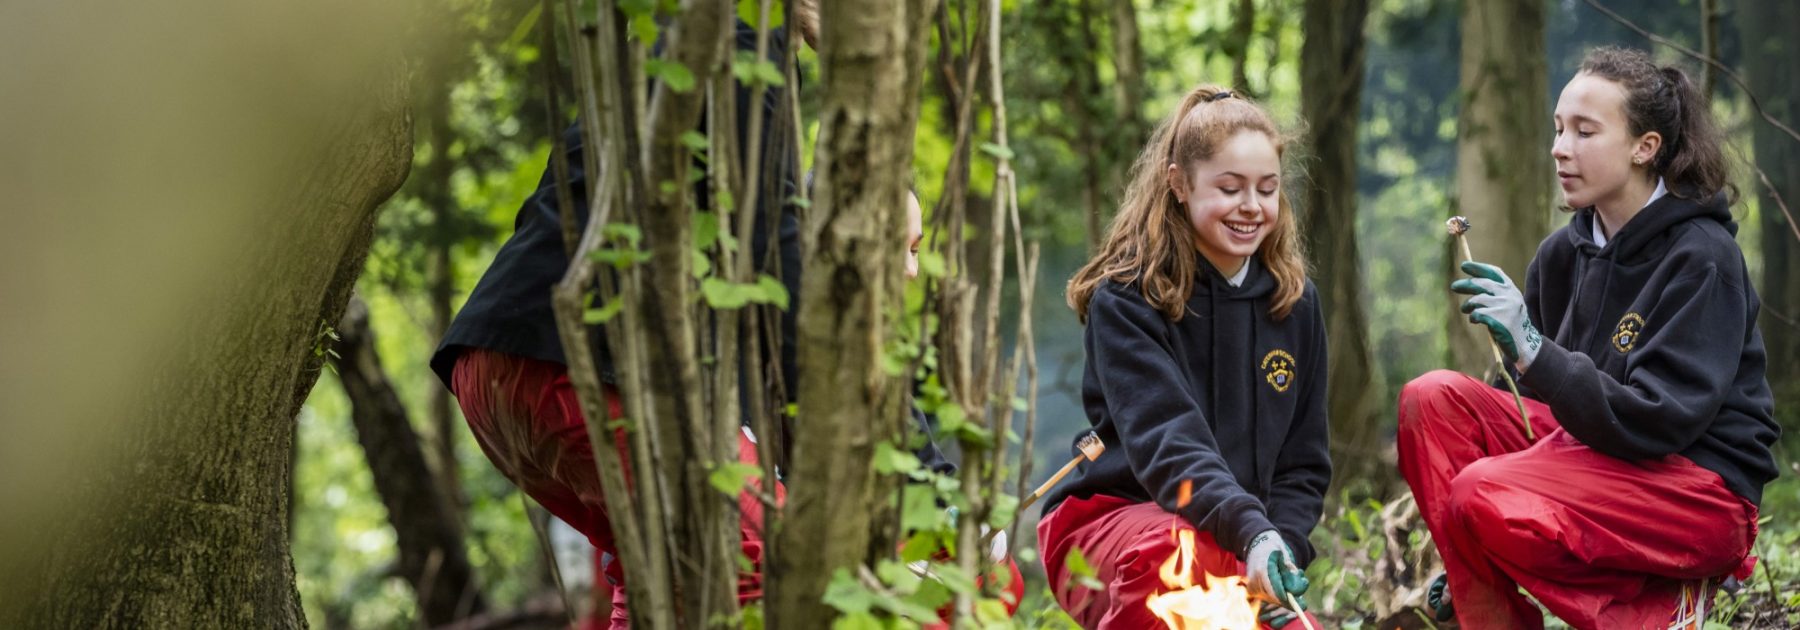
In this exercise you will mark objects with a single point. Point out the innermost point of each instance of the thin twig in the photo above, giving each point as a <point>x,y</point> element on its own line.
<point>1730,74</point>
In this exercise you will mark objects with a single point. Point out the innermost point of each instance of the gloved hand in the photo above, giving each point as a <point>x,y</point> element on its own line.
<point>1437,598</point>
<point>1500,307</point>
<point>1269,568</point>
<point>1276,616</point>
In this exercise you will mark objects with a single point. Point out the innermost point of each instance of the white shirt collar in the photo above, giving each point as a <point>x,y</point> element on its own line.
<point>1600,234</point>
<point>1243,271</point>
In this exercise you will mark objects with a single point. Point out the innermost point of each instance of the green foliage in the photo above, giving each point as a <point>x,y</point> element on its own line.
<point>722,294</point>
<point>670,73</point>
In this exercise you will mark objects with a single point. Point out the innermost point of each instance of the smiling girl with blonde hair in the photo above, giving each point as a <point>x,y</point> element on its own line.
<point>1205,376</point>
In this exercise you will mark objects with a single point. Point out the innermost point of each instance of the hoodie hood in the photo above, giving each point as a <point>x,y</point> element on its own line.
<point>1650,226</point>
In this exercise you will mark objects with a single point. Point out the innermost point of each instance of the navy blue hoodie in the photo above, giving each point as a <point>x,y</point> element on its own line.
<point>1655,349</point>
<point>1226,398</point>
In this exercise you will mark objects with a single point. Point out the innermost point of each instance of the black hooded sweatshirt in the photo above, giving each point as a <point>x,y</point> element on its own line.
<point>1226,398</point>
<point>1655,349</point>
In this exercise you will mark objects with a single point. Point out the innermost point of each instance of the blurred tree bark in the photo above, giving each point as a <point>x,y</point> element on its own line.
<point>1503,167</point>
<point>191,531</point>
<point>1128,67</point>
<point>870,59</point>
<point>1331,71</point>
<point>426,529</point>
<point>1237,46</point>
<point>1767,29</point>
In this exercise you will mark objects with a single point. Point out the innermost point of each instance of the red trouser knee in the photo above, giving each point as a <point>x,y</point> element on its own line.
<point>1126,542</point>
<point>526,417</point>
<point>1601,542</point>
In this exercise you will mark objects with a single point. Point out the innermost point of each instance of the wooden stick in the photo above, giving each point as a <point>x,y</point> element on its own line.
<point>1459,226</point>
<point>1091,447</point>
<point>1294,605</point>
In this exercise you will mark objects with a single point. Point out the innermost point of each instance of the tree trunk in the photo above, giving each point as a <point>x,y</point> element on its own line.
<point>1767,29</point>
<point>176,519</point>
<point>1503,169</point>
<point>440,281</point>
<point>870,68</point>
<point>1331,67</point>
<point>1243,27</point>
<point>432,557</point>
<point>1128,64</point>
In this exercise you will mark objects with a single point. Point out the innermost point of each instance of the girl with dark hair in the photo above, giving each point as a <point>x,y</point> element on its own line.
<point>1205,375</point>
<point>1636,344</point>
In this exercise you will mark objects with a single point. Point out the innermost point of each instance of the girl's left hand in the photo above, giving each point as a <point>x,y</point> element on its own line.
<point>1500,307</point>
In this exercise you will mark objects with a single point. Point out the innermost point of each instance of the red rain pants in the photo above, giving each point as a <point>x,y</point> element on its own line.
<point>1599,541</point>
<point>1125,542</point>
<point>526,417</point>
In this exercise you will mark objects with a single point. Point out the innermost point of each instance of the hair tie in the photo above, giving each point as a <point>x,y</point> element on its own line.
<point>1219,96</point>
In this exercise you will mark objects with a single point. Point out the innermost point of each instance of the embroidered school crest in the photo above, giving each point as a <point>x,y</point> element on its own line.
<point>1631,326</point>
<point>1278,369</point>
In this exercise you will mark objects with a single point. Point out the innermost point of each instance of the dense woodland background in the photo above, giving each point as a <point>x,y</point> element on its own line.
<point>1414,110</point>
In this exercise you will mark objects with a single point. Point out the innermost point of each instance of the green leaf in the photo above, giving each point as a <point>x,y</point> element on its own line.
<point>706,230</point>
<point>1005,506</point>
<point>730,477</point>
<point>721,294</point>
<point>895,574</point>
<point>772,291</point>
<point>752,71</point>
<point>671,73</point>
<point>921,513</point>
<point>848,596</point>
<point>931,264</point>
<point>856,621</point>
<point>603,314</point>
<point>890,460</point>
<point>750,11</point>
<point>919,546</point>
<point>644,30</point>
<point>799,202</point>
<point>702,264</point>
<point>636,8</point>
<point>626,232</point>
<point>1077,564</point>
<point>996,150</point>
<point>694,141</point>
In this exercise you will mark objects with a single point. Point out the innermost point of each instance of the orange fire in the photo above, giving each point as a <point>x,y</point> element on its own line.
<point>1223,604</point>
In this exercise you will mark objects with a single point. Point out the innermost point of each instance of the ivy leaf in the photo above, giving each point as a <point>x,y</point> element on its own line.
<point>671,73</point>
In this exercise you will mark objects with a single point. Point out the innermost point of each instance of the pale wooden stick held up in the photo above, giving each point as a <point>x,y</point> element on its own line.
<point>1091,448</point>
<point>1458,226</point>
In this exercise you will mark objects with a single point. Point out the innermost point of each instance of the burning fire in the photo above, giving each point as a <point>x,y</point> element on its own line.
<point>1223,604</point>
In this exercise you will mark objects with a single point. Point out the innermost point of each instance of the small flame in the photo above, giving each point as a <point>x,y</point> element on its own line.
<point>1223,604</point>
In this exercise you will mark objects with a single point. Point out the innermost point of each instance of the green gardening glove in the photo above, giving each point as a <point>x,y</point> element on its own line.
<point>1269,568</point>
<point>1498,305</point>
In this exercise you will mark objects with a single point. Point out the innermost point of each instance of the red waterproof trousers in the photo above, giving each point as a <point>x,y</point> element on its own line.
<point>1126,542</point>
<point>527,419</point>
<point>1599,541</point>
